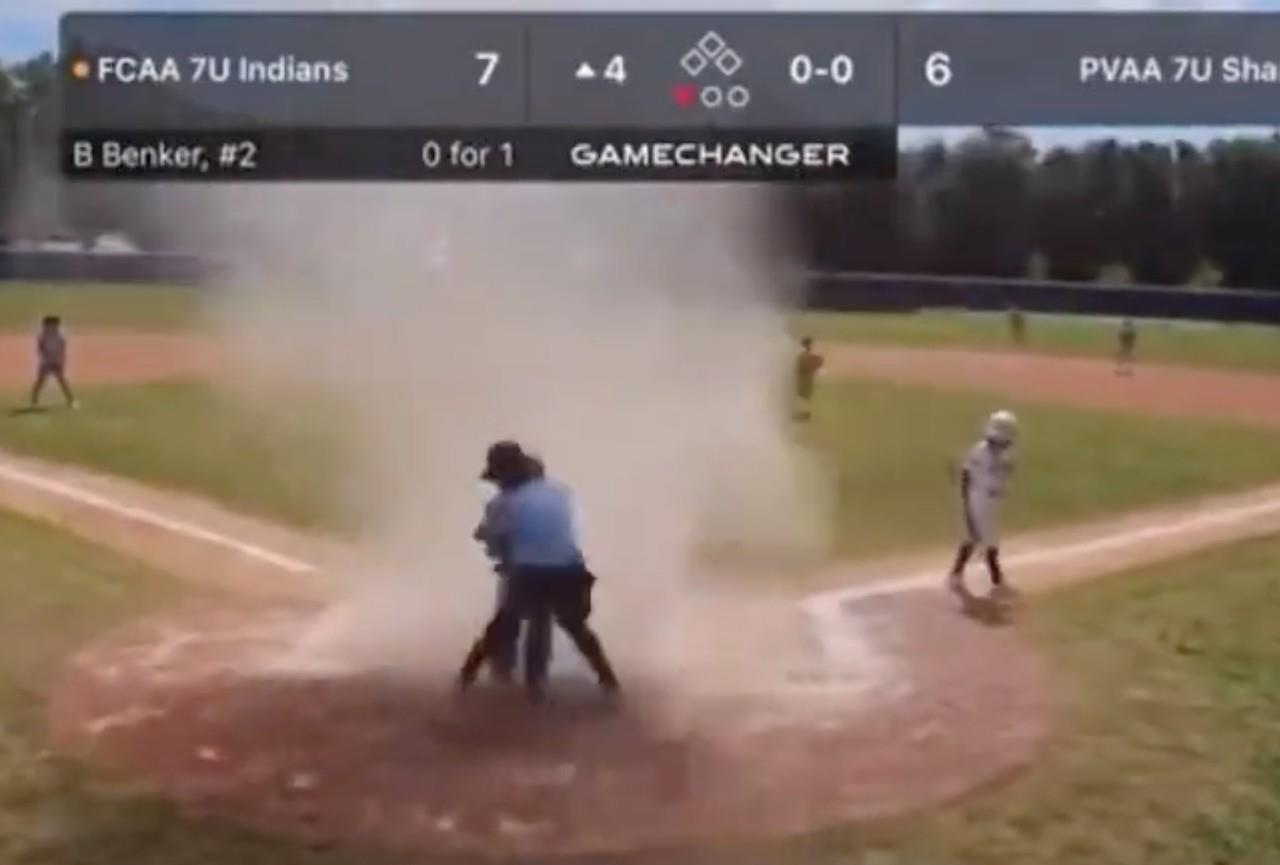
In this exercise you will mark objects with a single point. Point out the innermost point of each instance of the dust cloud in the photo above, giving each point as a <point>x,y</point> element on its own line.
<point>633,336</point>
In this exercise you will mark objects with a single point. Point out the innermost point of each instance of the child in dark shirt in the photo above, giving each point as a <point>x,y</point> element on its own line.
<point>51,360</point>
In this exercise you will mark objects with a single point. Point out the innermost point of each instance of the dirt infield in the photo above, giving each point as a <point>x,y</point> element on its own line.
<point>1043,560</point>
<point>114,357</point>
<point>192,703</point>
<point>177,533</point>
<point>898,702</point>
<point>1162,390</point>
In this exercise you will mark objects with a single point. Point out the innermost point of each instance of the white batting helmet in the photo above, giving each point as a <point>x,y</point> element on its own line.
<point>1002,426</point>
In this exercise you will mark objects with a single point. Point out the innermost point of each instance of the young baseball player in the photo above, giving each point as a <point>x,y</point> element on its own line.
<point>984,478</point>
<point>808,362</point>
<point>502,656</point>
<point>1017,326</point>
<point>546,573</point>
<point>51,360</point>
<point>1128,343</point>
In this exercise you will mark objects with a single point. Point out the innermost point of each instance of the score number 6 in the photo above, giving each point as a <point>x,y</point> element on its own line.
<point>937,69</point>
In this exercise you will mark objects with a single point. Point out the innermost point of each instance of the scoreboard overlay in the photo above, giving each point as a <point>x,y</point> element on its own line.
<point>753,96</point>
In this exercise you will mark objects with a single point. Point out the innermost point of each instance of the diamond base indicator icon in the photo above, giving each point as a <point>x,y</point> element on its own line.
<point>711,50</point>
<point>729,62</point>
<point>694,62</point>
<point>712,44</point>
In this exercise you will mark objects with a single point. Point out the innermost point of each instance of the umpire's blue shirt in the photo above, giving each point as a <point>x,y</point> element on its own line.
<point>535,522</point>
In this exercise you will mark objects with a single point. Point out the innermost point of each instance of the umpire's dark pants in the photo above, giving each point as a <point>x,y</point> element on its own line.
<point>562,594</point>
<point>502,658</point>
<point>537,596</point>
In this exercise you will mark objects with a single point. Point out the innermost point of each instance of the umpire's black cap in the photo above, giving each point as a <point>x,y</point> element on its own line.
<point>505,461</point>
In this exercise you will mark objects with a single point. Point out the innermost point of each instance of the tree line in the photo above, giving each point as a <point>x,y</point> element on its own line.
<point>34,203</point>
<point>28,130</point>
<point>994,205</point>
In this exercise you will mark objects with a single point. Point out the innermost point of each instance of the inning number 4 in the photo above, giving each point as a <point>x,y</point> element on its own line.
<point>490,59</point>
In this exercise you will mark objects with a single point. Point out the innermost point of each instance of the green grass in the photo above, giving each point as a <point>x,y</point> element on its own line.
<point>99,306</point>
<point>888,447</point>
<point>56,594</point>
<point>188,436</point>
<point>1168,747</point>
<point>1247,347</point>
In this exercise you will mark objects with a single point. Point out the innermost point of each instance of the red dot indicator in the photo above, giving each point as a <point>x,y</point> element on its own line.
<point>684,95</point>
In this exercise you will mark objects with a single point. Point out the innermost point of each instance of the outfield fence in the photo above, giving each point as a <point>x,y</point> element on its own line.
<point>871,292</point>
<point>837,292</point>
<point>106,267</point>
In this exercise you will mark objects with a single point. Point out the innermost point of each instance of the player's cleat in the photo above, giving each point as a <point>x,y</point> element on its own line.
<point>1003,593</point>
<point>461,685</point>
<point>611,698</point>
<point>74,405</point>
<point>955,584</point>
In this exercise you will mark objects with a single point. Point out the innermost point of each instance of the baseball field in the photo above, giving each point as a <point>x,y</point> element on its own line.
<point>170,529</point>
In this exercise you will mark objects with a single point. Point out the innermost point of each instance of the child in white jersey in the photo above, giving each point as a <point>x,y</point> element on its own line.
<point>984,479</point>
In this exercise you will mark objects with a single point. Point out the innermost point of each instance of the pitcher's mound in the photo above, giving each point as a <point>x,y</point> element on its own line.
<point>185,703</point>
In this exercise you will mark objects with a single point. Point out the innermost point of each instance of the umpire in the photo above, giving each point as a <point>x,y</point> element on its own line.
<point>531,521</point>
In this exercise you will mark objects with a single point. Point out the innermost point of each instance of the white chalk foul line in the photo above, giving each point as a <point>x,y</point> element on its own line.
<point>826,603</point>
<point>151,518</point>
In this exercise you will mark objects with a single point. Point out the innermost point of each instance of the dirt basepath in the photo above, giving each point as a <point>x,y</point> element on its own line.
<point>896,702</point>
<point>1042,561</point>
<point>208,544</point>
<point>180,534</point>
<point>198,540</point>
<point>118,357</point>
<point>114,357</point>
<point>1163,390</point>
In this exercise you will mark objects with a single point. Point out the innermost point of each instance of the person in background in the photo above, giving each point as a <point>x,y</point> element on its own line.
<point>1017,326</point>
<point>51,361</point>
<point>547,575</point>
<point>1127,347</point>
<point>983,479</point>
<point>808,363</point>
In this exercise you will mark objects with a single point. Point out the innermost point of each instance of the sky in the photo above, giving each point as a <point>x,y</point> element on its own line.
<point>28,27</point>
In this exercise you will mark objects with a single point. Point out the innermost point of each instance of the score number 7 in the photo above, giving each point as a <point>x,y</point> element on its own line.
<point>490,59</point>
